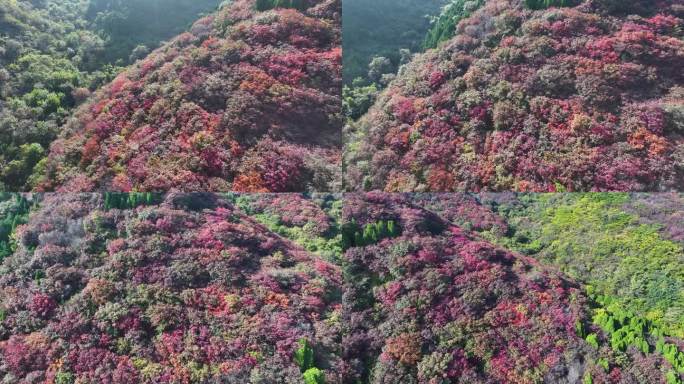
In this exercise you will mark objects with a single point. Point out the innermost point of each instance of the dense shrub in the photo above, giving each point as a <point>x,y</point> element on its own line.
<point>596,239</point>
<point>640,7</point>
<point>429,306</point>
<point>662,210</point>
<point>310,222</point>
<point>264,5</point>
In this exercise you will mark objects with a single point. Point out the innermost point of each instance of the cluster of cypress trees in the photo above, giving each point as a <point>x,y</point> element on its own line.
<point>627,329</point>
<point>122,200</point>
<point>355,236</point>
<point>9,223</point>
<point>543,4</point>
<point>304,356</point>
<point>444,27</point>
<point>264,5</point>
<point>675,357</point>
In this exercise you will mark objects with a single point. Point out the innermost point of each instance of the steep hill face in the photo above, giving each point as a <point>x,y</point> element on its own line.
<point>627,251</point>
<point>288,288</point>
<point>575,98</point>
<point>247,100</point>
<point>627,247</point>
<point>427,299</point>
<point>382,28</point>
<point>54,53</point>
<point>45,55</point>
<point>187,289</point>
<point>439,304</point>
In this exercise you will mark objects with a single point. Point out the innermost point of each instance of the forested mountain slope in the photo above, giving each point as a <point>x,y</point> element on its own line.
<point>54,53</point>
<point>182,288</point>
<point>382,28</point>
<point>133,27</point>
<point>444,26</point>
<point>534,98</point>
<point>247,100</point>
<point>49,61</point>
<point>373,288</point>
<point>624,246</point>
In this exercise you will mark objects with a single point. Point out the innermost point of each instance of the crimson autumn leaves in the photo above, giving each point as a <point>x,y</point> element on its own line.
<point>162,257</point>
<point>567,96</point>
<point>245,100</point>
<point>365,288</point>
<point>580,98</point>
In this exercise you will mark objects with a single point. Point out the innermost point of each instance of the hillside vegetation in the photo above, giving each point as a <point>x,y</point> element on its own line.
<point>382,28</point>
<point>444,25</point>
<point>360,288</point>
<point>189,290</point>
<point>246,100</point>
<point>625,249</point>
<point>53,54</point>
<point>592,238</point>
<point>532,98</point>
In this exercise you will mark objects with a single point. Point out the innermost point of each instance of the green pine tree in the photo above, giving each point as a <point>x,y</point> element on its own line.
<point>304,355</point>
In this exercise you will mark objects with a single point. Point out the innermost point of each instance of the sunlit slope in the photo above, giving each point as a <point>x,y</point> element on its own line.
<point>246,100</point>
<point>575,98</point>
